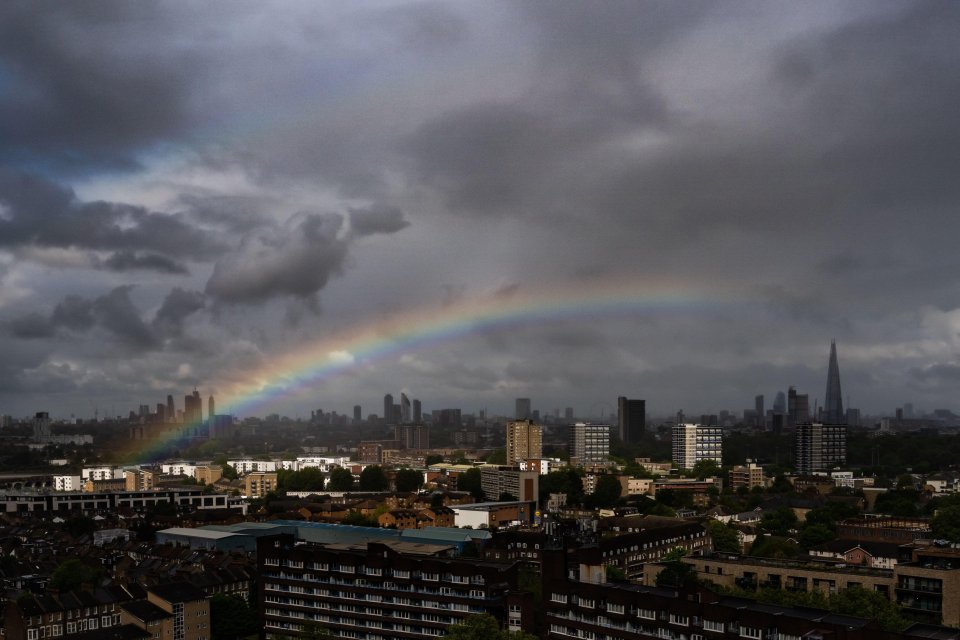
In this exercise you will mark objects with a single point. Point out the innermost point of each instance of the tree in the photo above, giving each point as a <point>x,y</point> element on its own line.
<point>725,537</point>
<point>774,547</point>
<point>946,524</point>
<point>373,478</point>
<point>706,468</point>
<point>566,481</point>
<point>231,617</point>
<point>357,519</point>
<point>607,491</point>
<point>340,479</point>
<point>79,525</point>
<point>676,573</point>
<point>469,480</point>
<point>309,479</point>
<point>779,522</point>
<point>497,457</point>
<point>71,574</point>
<point>407,480</point>
<point>230,472</point>
<point>483,627</point>
<point>433,459</point>
<point>816,534</point>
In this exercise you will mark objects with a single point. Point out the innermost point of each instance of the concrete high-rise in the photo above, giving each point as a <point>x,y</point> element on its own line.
<point>819,447</point>
<point>524,441</point>
<point>388,409</point>
<point>758,408</point>
<point>692,443</point>
<point>523,409</point>
<point>405,413</point>
<point>412,436</point>
<point>417,411</point>
<point>589,443</point>
<point>211,409</point>
<point>171,413</point>
<point>631,419</point>
<point>798,407</point>
<point>357,413</point>
<point>833,403</point>
<point>193,408</point>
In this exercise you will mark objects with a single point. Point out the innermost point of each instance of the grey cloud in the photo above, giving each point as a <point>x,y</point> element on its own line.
<point>238,214</point>
<point>177,306</point>
<point>71,100</point>
<point>128,260</point>
<point>297,259</point>
<point>117,314</point>
<point>377,219</point>
<point>32,325</point>
<point>74,312</point>
<point>42,213</point>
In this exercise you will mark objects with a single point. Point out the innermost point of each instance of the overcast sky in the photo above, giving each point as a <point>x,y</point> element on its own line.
<point>190,192</point>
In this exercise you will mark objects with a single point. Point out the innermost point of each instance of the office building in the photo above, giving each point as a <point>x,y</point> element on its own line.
<point>524,441</point>
<point>758,408</point>
<point>211,409</point>
<point>631,419</point>
<point>405,413</point>
<point>388,409</point>
<point>833,404</point>
<point>819,447</point>
<point>357,416</point>
<point>417,411</point>
<point>193,409</point>
<point>589,443</point>
<point>171,412</point>
<point>694,442</point>
<point>523,411</point>
<point>798,407</point>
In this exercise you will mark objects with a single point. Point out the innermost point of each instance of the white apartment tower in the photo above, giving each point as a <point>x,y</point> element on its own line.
<point>694,442</point>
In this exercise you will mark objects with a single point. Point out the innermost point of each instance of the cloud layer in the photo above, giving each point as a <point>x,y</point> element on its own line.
<point>179,210</point>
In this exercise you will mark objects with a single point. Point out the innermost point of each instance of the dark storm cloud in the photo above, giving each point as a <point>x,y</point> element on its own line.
<point>377,219</point>
<point>41,213</point>
<point>296,258</point>
<point>176,307</point>
<point>238,214</point>
<point>114,313</point>
<point>70,101</point>
<point>30,326</point>
<point>128,261</point>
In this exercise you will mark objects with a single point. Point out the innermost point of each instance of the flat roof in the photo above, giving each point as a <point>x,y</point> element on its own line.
<point>206,534</point>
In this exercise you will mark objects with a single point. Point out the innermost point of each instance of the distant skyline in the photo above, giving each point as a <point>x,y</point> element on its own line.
<point>295,206</point>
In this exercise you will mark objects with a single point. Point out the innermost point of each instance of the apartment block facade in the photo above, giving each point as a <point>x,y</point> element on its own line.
<point>380,590</point>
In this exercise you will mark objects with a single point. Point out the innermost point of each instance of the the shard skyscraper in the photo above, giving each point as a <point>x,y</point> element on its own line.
<point>833,405</point>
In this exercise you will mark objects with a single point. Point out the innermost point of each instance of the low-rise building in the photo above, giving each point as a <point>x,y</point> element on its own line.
<point>746,475</point>
<point>259,483</point>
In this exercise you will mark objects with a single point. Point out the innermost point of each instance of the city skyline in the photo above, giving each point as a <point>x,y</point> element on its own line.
<point>473,203</point>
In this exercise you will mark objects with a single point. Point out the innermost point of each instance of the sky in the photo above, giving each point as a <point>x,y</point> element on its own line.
<point>297,206</point>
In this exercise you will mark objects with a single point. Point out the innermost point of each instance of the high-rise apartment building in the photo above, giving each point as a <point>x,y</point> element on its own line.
<point>357,413</point>
<point>694,442</point>
<point>524,441</point>
<point>193,408</point>
<point>171,409</point>
<point>417,411</point>
<point>412,436</point>
<point>405,413</point>
<point>631,419</point>
<point>211,409</point>
<point>833,401</point>
<point>523,410</point>
<point>819,447</point>
<point>589,443</point>
<point>758,408</point>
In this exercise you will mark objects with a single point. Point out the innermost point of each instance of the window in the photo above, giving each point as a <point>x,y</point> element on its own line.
<point>558,597</point>
<point>31,634</point>
<point>681,620</point>
<point>751,632</point>
<point>710,625</point>
<point>647,614</point>
<point>614,608</point>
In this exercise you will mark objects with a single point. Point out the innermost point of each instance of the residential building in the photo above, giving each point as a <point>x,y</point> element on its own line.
<point>631,419</point>
<point>384,589</point>
<point>694,442</point>
<point>589,443</point>
<point>524,441</point>
<point>259,483</point>
<point>189,607</point>
<point>819,447</point>
<point>499,480</point>
<point>746,475</point>
<point>412,436</point>
<point>579,603</point>
<point>141,479</point>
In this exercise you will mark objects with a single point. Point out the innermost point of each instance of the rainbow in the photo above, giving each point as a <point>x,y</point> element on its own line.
<point>421,329</point>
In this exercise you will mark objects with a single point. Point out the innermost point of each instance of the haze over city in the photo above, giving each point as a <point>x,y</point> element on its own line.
<point>312,205</point>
